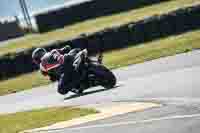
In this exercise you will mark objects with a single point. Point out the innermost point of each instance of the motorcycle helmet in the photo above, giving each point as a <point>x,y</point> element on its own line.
<point>37,54</point>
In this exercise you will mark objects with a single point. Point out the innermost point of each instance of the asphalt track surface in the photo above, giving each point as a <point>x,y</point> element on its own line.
<point>173,81</point>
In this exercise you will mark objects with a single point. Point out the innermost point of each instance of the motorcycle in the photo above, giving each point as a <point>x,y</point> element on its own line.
<point>93,73</point>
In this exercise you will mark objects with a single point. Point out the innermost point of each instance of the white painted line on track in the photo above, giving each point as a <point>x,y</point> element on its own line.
<point>137,122</point>
<point>105,112</point>
<point>124,123</point>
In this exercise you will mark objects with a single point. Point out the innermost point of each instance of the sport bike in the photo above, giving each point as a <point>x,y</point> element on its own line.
<point>93,73</point>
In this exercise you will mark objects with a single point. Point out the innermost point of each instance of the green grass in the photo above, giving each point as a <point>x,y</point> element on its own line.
<point>22,82</point>
<point>153,50</point>
<point>118,58</point>
<point>14,123</point>
<point>96,25</point>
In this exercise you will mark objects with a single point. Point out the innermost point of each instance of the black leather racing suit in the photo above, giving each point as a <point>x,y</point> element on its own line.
<point>58,65</point>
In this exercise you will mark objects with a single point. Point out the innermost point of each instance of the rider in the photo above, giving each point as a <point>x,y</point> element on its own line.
<point>58,65</point>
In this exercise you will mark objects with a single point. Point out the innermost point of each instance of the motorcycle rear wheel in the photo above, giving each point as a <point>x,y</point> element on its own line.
<point>105,77</point>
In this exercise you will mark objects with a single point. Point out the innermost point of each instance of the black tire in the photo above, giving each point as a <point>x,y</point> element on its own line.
<point>104,76</point>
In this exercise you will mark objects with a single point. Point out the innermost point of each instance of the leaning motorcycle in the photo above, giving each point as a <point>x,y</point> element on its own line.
<point>93,73</point>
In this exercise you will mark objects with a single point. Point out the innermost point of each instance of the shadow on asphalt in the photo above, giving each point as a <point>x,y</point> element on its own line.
<point>89,92</point>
